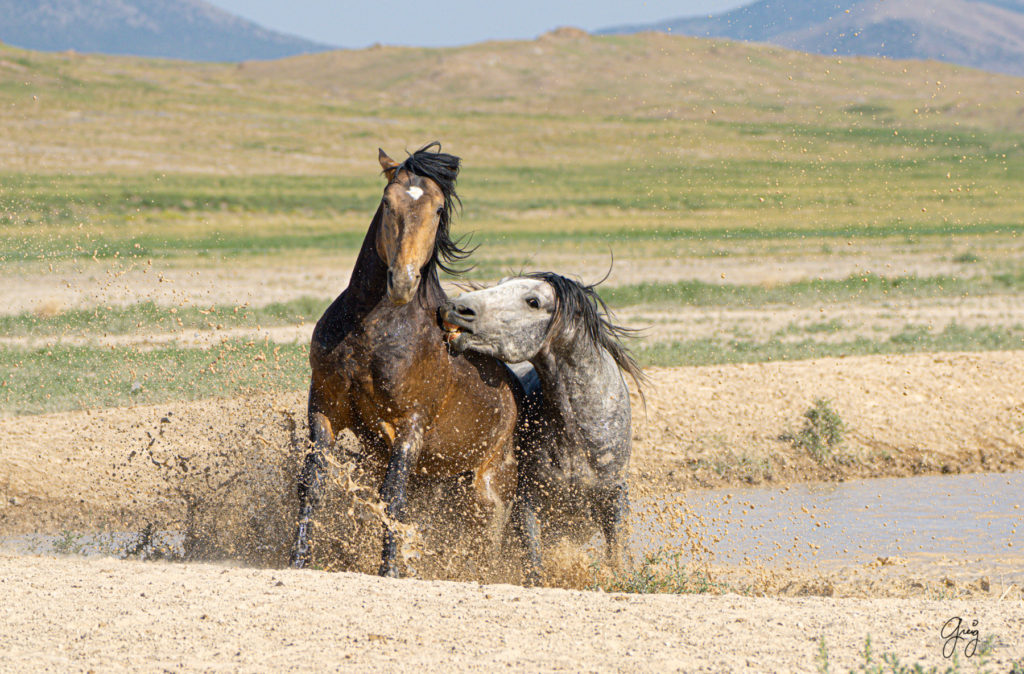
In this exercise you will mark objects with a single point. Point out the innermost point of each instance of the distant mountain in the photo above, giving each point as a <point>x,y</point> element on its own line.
<point>179,29</point>
<point>986,34</point>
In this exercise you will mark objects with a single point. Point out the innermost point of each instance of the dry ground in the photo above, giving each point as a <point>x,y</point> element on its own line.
<point>717,426</point>
<point>702,427</point>
<point>68,614</point>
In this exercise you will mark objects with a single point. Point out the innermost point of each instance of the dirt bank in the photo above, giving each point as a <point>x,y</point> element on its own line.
<point>705,426</point>
<point>904,415</point>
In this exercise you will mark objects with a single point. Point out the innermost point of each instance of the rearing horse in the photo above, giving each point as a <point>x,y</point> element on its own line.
<point>380,366</point>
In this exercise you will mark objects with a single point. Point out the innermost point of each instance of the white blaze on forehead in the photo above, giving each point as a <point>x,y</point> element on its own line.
<point>414,192</point>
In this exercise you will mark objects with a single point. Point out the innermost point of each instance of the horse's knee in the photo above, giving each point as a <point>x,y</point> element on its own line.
<point>321,431</point>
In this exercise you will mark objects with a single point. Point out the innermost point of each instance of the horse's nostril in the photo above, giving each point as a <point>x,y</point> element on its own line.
<point>391,279</point>
<point>464,311</point>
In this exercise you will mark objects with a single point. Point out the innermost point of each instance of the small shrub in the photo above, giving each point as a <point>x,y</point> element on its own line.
<point>822,432</point>
<point>68,544</point>
<point>967,257</point>
<point>151,545</point>
<point>822,656</point>
<point>888,663</point>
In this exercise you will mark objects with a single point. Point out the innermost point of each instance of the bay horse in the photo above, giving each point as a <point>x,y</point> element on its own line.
<point>575,440</point>
<point>380,366</point>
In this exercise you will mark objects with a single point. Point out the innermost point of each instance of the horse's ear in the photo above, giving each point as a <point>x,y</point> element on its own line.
<point>387,163</point>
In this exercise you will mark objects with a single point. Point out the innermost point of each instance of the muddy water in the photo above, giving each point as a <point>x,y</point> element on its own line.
<point>971,518</point>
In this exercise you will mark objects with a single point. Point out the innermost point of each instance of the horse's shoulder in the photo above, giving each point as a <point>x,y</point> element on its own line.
<point>489,371</point>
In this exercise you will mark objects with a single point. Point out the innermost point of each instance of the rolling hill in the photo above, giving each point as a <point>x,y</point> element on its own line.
<point>986,34</point>
<point>180,29</point>
<point>579,98</point>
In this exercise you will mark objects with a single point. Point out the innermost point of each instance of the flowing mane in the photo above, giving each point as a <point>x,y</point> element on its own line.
<point>443,169</point>
<point>579,306</point>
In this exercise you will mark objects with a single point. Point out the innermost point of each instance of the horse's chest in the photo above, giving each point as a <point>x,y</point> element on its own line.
<point>393,364</point>
<point>580,456</point>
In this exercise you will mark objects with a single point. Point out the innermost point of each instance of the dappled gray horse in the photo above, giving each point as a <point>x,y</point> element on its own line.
<point>575,437</point>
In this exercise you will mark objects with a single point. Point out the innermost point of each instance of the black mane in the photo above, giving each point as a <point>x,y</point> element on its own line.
<point>443,169</point>
<point>579,307</point>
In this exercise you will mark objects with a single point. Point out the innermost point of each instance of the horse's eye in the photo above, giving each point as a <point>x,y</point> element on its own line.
<point>440,209</point>
<point>533,302</point>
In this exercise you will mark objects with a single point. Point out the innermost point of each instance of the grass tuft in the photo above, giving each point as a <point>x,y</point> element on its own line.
<point>660,573</point>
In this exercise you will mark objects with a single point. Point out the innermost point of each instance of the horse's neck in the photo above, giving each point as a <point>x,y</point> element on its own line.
<point>582,386</point>
<point>367,284</point>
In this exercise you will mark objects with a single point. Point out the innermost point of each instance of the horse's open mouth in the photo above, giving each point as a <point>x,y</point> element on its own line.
<point>451,331</point>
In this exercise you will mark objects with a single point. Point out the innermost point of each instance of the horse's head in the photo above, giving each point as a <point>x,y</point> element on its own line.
<point>415,215</point>
<point>509,321</point>
<point>514,320</point>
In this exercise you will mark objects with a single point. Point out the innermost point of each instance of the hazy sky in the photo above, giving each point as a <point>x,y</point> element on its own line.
<point>345,23</point>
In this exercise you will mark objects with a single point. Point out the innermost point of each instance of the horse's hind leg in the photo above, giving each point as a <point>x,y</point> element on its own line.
<point>393,491</point>
<point>610,507</point>
<point>311,484</point>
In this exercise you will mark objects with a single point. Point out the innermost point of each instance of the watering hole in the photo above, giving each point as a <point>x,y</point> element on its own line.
<point>970,521</point>
<point>973,520</point>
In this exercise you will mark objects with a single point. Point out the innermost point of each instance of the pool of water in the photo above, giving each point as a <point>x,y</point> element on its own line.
<point>951,516</point>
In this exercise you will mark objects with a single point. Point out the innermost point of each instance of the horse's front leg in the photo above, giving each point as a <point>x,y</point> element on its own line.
<point>526,533</point>
<point>610,508</point>
<point>311,484</point>
<point>405,450</point>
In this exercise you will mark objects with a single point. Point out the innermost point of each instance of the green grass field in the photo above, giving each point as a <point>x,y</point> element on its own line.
<point>61,377</point>
<point>652,148</point>
<point>147,216</point>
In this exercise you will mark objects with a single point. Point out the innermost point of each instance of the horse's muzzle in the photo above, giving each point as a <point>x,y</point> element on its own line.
<point>402,286</point>
<point>454,320</point>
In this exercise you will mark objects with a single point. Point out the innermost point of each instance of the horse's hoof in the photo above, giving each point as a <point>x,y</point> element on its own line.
<point>389,571</point>
<point>300,559</point>
<point>532,579</point>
